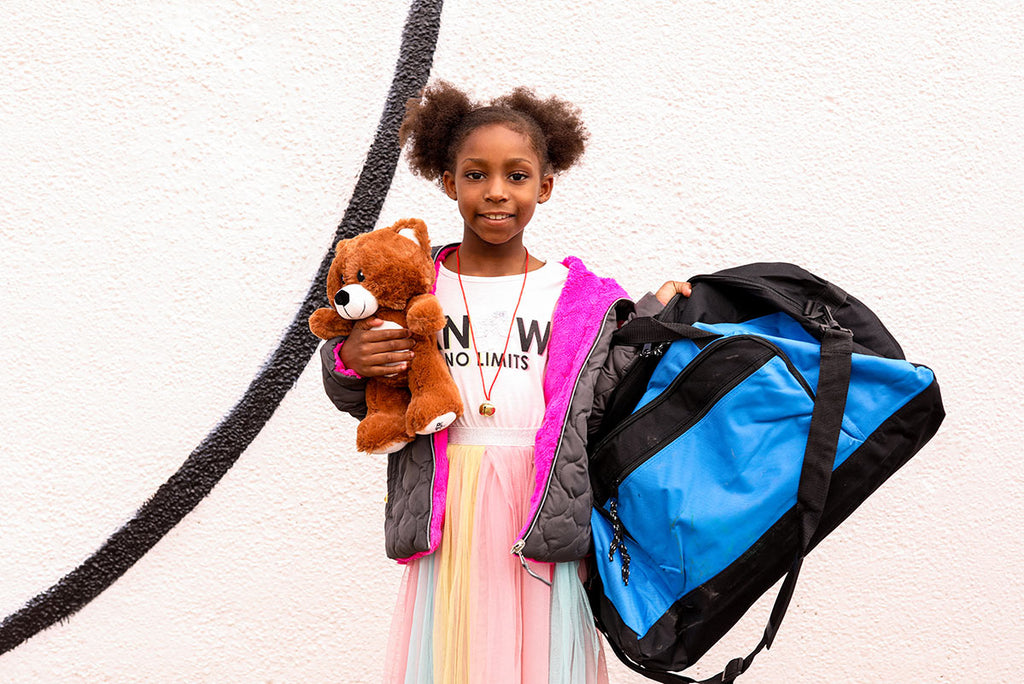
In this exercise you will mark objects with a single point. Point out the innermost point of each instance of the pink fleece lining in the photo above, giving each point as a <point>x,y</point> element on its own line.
<point>442,254</point>
<point>583,302</point>
<point>339,365</point>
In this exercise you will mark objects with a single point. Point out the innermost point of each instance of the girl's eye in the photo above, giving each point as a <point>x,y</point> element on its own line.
<point>360,277</point>
<point>518,176</point>
<point>474,175</point>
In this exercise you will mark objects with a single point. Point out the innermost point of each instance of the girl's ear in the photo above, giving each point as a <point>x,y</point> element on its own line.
<point>448,181</point>
<point>546,185</point>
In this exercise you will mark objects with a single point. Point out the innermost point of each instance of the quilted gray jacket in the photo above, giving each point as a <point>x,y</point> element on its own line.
<point>577,376</point>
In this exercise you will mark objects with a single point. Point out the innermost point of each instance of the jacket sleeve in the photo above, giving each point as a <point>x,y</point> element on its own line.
<point>348,392</point>
<point>619,359</point>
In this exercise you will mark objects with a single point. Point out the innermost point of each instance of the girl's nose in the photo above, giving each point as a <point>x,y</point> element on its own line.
<point>496,191</point>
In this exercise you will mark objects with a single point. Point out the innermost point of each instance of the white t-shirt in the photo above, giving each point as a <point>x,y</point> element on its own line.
<point>518,391</point>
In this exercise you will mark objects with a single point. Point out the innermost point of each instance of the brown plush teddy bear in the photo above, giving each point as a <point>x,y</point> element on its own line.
<point>388,273</point>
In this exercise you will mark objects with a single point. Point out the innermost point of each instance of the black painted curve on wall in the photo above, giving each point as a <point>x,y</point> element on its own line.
<point>209,461</point>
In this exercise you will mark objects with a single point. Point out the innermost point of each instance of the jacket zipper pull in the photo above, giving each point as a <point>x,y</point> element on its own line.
<point>618,541</point>
<point>517,549</point>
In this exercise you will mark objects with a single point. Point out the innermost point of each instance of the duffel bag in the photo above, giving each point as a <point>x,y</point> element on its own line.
<point>758,414</point>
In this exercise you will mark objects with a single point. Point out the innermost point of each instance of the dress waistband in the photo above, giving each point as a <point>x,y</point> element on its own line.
<point>492,436</point>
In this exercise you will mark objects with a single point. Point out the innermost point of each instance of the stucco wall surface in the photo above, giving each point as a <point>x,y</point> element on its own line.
<point>173,174</point>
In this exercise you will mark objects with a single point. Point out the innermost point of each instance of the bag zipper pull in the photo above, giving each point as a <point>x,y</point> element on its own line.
<point>517,549</point>
<point>618,541</point>
<point>649,349</point>
<point>822,315</point>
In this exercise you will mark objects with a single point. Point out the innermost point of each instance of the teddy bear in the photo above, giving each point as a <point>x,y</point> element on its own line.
<point>389,273</point>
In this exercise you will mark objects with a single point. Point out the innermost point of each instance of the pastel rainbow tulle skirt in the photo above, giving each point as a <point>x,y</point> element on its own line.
<point>470,613</point>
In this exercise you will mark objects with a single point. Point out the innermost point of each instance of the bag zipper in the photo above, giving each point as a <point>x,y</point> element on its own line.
<point>799,308</point>
<point>618,542</point>
<point>751,284</point>
<point>726,387</point>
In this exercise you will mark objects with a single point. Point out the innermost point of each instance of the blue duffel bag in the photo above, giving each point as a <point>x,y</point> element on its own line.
<point>759,413</point>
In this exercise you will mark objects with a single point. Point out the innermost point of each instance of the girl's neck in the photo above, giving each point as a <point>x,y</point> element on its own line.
<point>478,258</point>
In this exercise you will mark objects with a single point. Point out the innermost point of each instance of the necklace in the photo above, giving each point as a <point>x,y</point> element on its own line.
<point>487,408</point>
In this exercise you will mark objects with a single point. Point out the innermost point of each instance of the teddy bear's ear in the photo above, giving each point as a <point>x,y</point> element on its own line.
<point>334,275</point>
<point>415,230</point>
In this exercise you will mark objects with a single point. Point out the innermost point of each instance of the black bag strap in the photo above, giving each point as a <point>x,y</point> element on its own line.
<point>815,476</point>
<point>826,420</point>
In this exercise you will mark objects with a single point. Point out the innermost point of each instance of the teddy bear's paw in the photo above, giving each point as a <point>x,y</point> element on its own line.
<point>386,449</point>
<point>438,424</point>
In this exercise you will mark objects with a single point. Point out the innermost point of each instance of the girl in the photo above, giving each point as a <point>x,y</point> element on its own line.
<point>493,515</point>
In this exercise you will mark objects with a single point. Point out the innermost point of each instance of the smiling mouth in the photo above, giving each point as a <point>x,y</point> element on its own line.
<point>497,217</point>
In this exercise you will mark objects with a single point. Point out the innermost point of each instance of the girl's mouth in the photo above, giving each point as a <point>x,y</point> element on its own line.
<point>497,217</point>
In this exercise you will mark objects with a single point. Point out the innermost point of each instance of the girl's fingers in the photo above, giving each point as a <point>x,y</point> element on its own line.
<point>389,358</point>
<point>377,371</point>
<point>385,335</point>
<point>670,289</point>
<point>389,344</point>
<point>387,363</point>
<point>391,351</point>
<point>384,371</point>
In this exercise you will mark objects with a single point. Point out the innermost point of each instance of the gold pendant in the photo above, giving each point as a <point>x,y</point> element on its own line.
<point>487,409</point>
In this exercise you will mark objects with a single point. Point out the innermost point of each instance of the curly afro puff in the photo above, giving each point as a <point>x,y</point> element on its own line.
<point>439,120</point>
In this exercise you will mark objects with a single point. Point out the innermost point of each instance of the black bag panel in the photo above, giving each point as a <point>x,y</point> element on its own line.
<point>739,294</point>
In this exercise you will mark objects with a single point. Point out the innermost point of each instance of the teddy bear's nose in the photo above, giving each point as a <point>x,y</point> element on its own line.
<point>341,298</point>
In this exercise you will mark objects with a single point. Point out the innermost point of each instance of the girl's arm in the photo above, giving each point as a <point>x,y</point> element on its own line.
<point>345,389</point>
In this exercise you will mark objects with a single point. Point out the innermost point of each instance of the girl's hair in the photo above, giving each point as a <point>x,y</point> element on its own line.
<point>439,120</point>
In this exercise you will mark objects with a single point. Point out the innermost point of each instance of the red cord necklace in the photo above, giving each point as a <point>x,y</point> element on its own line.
<point>487,408</point>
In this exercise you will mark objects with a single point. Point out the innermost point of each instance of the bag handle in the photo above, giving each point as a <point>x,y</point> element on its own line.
<point>649,330</point>
<point>812,491</point>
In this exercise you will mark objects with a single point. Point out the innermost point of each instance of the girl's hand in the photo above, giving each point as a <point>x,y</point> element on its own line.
<point>368,352</point>
<point>667,291</point>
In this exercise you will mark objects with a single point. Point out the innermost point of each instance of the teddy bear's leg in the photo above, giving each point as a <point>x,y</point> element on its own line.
<point>435,399</point>
<point>383,429</point>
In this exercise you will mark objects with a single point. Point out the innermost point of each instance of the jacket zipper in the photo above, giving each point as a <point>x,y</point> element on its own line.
<point>517,549</point>
<point>520,543</point>
<point>433,482</point>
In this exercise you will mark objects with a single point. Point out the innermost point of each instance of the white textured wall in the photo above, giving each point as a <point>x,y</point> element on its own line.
<point>172,174</point>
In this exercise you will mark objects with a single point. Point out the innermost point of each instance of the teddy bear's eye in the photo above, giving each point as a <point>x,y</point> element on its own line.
<point>360,277</point>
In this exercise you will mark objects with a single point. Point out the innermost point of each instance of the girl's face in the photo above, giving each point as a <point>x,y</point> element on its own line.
<point>498,182</point>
